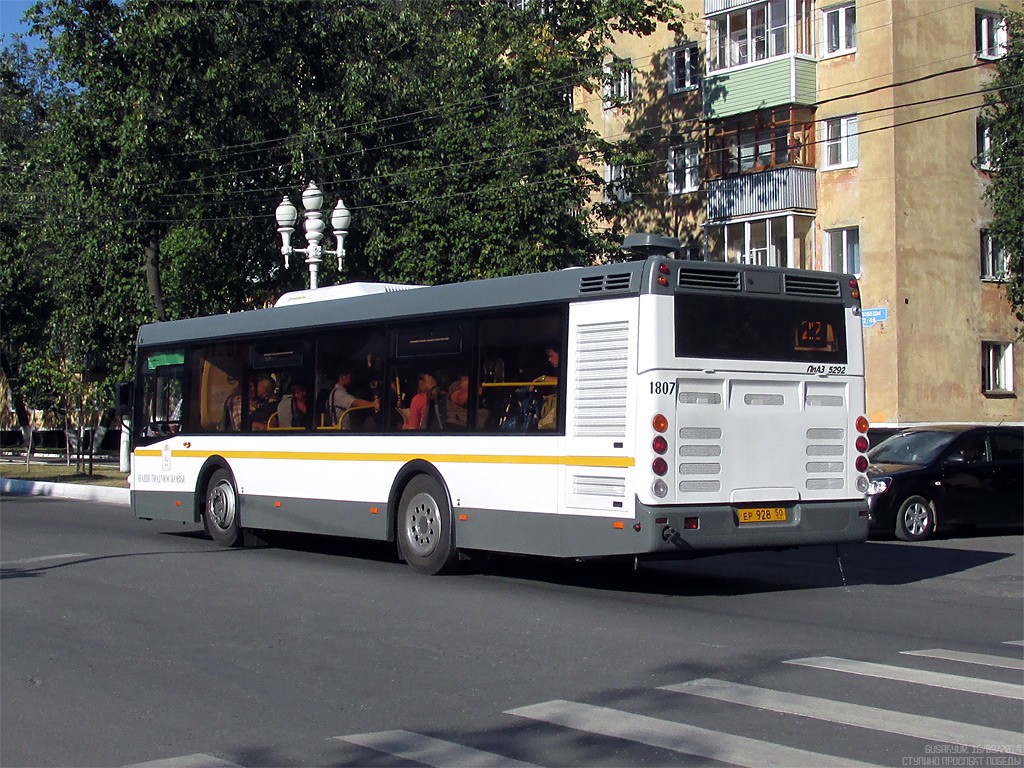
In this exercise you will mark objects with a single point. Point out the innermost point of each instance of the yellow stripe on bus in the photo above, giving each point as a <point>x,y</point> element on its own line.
<point>438,458</point>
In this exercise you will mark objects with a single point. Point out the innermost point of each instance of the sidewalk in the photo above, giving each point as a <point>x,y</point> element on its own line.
<point>65,491</point>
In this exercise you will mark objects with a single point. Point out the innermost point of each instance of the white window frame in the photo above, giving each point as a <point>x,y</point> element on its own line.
<point>997,367</point>
<point>990,35</point>
<point>841,134</point>
<point>683,168</point>
<point>842,18</point>
<point>995,261</point>
<point>763,35</point>
<point>615,174</point>
<point>983,161</point>
<point>842,250</point>
<point>684,68</point>
<point>618,89</point>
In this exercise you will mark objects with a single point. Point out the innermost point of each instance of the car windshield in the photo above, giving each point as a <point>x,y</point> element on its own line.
<point>910,447</point>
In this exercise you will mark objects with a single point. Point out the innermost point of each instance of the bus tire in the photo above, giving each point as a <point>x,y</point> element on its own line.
<point>220,513</point>
<point>426,536</point>
<point>915,520</point>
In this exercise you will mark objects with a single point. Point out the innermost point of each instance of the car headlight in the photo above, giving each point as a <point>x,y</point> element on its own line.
<point>879,485</point>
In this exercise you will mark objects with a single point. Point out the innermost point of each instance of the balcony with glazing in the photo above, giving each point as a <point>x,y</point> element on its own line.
<point>759,56</point>
<point>761,162</point>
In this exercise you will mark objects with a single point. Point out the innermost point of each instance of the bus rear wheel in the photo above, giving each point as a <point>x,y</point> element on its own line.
<point>220,513</point>
<point>426,537</point>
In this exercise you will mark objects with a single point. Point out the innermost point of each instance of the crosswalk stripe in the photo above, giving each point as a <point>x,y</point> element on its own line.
<point>918,726</point>
<point>431,751</point>
<point>1003,662</point>
<point>677,737</point>
<point>187,761</point>
<point>919,676</point>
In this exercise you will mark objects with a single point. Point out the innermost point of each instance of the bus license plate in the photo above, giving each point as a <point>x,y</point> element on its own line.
<point>762,515</point>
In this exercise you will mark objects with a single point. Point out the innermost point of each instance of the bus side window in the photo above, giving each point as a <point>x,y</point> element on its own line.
<point>349,375</point>
<point>519,375</point>
<point>217,388</point>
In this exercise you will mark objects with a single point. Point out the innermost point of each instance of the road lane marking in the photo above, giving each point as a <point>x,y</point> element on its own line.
<point>187,761</point>
<point>1002,662</point>
<point>43,559</point>
<point>919,676</point>
<point>888,721</point>
<point>1013,642</point>
<point>677,737</point>
<point>431,751</point>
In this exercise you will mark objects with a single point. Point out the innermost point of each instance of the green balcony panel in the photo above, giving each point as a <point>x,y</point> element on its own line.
<point>788,80</point>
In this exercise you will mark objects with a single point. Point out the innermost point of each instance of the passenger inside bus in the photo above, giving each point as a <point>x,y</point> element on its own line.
<point>292,411</point>
<point>424,405</point>
<point>264,404</point>
<point>340,400</point>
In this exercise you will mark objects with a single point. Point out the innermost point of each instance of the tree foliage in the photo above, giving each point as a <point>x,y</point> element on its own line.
<point>153,139</point>
<point>1006,118</point>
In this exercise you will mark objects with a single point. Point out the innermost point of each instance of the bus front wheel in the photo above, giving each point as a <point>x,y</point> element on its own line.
<point>426,537</point>
<point>220,513</point>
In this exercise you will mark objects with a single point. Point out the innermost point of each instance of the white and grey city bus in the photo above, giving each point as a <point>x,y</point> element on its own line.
<point>653,408</point>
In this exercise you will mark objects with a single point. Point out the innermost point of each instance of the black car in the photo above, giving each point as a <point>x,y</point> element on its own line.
<point>927,478</point>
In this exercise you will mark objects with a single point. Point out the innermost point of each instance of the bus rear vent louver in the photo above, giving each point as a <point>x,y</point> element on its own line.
<point>596,283</point>
<point>722,280</point>
<point>805,285</point>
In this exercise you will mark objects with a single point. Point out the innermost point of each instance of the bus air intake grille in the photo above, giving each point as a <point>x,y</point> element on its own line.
<point>603,283</point>
<point>812,285</point>
<point>719,279</point>
<point>602,370</point>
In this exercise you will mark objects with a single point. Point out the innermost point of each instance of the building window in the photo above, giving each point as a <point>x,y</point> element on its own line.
<point>683,168</point>
<point>683,68</point>
<point>755,33</point>
<point>758,141</point>
<point>841,144</point>
<point>994,259</point>
<point>615,184</point>
<point>990,35</point>
<point>840,32</point>
<point>842,250</point>
<point>996,367</point>
<point>983,160</point>
<point>618,89</point>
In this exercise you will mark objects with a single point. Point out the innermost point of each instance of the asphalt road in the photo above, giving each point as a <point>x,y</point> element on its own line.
<point>125,642</point>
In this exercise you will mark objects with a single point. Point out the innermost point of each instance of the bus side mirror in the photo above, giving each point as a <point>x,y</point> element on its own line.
<point>124,398</point>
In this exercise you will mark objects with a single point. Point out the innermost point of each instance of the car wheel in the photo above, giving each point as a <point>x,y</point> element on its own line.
<point>426,538</point>
<point>916,519</point>
<point>220,514</point>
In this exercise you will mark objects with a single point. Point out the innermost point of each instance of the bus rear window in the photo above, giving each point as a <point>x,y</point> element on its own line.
<point>746,328</point>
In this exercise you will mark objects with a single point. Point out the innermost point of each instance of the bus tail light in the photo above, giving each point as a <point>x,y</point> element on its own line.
<point>862,463</point>
<point>659,466</point>
<point>659,444</point>
<point>659,422</point>
<point>691,523</point>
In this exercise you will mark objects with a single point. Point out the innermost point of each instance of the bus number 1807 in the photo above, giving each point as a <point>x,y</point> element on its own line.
<point>663,387</point>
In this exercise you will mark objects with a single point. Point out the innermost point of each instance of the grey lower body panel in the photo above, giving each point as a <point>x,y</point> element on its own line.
<point>653,530</point>
<point>330,518</point>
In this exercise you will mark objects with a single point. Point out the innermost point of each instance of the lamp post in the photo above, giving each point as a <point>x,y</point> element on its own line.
<point>287,214</point>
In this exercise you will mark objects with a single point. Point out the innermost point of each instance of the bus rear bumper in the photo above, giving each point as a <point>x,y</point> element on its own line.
<point>686,529</point>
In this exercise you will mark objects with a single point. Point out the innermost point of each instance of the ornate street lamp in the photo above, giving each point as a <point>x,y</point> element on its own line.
<point>287,215</point>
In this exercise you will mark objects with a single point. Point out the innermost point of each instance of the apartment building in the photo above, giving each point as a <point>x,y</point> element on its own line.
<point>840,136</point>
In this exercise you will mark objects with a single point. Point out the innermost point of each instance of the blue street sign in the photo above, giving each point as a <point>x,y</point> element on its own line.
<point>874,315</point>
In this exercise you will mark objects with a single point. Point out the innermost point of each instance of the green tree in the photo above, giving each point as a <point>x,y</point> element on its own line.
<point>1005,115</point>
<point>172,129</point>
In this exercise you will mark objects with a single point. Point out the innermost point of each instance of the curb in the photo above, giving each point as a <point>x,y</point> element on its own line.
<point>121,496</point>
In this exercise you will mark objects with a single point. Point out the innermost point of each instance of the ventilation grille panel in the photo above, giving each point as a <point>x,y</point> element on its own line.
<point>813,285</point>
<point>722,280</point>
<point>619,281</point>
